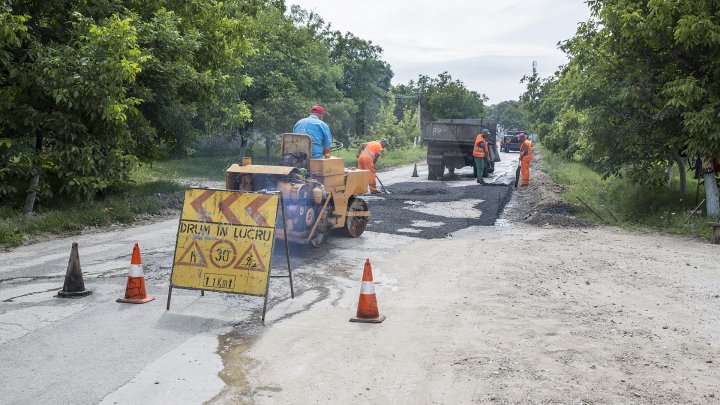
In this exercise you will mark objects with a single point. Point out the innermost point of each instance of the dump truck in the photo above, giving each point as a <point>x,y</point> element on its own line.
<point>511,141</point>
<point>319,195</point>
<point>450,145</point>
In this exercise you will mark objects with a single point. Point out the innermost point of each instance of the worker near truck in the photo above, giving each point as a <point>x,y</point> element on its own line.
<point>318,130</point>
<point>368,153</point>
<point>526,156</point>
<point>479,152</point>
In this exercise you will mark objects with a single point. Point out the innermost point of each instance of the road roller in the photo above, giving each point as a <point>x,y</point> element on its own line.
<point>320,195</point>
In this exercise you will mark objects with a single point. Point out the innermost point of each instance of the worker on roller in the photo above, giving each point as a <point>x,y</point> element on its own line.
<point>368,154</point>
<point>526,156</point>
<point>318,130</point>
<point>480,150</point>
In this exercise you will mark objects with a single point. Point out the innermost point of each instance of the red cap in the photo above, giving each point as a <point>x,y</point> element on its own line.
<point>317,109</point>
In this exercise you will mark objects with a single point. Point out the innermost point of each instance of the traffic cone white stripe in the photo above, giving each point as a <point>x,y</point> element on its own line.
<point>136,270</point>
<point>367,287</point>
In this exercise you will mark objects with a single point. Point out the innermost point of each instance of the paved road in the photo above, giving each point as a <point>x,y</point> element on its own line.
<point>94,350</point>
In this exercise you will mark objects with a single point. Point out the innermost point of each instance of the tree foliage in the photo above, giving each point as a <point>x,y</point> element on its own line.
<point>509,114</point>
<point>398,131</point>
<point>88,90</point>
<point>640,89</point>
<point>441,98</point>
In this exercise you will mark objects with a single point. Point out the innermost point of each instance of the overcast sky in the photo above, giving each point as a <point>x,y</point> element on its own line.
<point>489,45</point>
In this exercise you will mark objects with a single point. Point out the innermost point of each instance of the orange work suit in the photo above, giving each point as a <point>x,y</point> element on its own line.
<point>526,156</point>
<point>367,159</point>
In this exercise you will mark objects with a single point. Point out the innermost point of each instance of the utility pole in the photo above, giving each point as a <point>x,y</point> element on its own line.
<point>534,67</point>
<point>419,118</point>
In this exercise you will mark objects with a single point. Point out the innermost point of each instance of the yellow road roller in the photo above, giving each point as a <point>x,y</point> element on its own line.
<point>320,195</point>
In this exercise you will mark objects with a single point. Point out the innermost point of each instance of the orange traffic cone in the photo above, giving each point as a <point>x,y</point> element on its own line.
<point>135,290</point>
<point>367,306</point>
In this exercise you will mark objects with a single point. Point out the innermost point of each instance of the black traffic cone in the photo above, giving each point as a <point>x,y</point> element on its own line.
<point>74,286</point>
<point>415,171</point>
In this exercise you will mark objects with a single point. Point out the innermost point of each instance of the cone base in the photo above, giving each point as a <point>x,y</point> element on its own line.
<point>73,294</point>
<point>379,319</point>
<point>136,300</point>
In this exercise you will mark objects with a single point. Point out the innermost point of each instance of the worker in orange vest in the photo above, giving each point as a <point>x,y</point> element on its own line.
<point>479,152</point>
<point>368,154</point>
<point>526,156</point>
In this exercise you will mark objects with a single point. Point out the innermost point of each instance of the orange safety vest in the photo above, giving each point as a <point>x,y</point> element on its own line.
<point>372,150</point>
<point>526,150</point>
<point>481,147</point>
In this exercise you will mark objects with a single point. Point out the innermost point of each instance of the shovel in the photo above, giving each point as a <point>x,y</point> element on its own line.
<point>517,175</point>
<point>385,190</point>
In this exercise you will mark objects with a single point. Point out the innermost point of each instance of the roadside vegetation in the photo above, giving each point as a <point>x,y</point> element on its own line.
<point>622,202</point>
<point>640,92</point>
<point>128,204</point>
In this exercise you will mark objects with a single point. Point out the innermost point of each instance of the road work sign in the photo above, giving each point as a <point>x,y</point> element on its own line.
<point>225,241</point>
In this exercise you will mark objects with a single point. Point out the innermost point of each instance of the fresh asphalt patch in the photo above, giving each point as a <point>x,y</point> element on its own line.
<point>433,210</point>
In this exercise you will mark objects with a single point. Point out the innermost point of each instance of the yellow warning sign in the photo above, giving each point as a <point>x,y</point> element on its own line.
<point>225,241</point>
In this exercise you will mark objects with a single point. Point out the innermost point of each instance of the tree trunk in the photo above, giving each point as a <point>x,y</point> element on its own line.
<point>32,193</point>
<point>712,201</point>
<point>669,174</point>
<point>682,172</point>
<point>267,150</point>
<point>35,180</point>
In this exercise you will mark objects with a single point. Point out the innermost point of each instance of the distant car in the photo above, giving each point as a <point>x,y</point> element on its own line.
<point>510,143</point>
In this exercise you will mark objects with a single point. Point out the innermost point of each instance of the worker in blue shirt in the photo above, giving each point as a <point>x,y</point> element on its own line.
<point>318,130</point>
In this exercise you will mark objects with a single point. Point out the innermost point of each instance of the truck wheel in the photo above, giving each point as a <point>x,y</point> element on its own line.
<point>435,171</point>
<point>355,226</point>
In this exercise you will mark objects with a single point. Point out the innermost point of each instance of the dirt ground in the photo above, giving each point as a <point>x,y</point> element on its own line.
<point>541,308</point>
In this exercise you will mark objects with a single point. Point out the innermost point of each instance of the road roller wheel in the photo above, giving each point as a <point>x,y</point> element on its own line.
<point>355,226</point>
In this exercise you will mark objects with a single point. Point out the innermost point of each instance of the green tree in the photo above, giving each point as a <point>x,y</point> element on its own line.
<point>398,131</point>
<point>509,114</point>
<point>366,77</point>
<point>442,98</point>
<point>65,104</point>
<point>643,77</point>
<point>90,87</point>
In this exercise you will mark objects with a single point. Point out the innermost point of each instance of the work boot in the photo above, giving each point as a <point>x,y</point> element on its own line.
<point>481,182</point>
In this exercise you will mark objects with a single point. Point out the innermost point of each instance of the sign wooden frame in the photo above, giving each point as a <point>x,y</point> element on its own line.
<point>224,282</point>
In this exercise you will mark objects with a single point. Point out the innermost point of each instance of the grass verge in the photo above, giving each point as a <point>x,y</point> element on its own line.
<point>635,206</point>
<point>64,217</point>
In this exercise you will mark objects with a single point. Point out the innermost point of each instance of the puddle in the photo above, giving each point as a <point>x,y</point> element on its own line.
<point>452,209</point>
